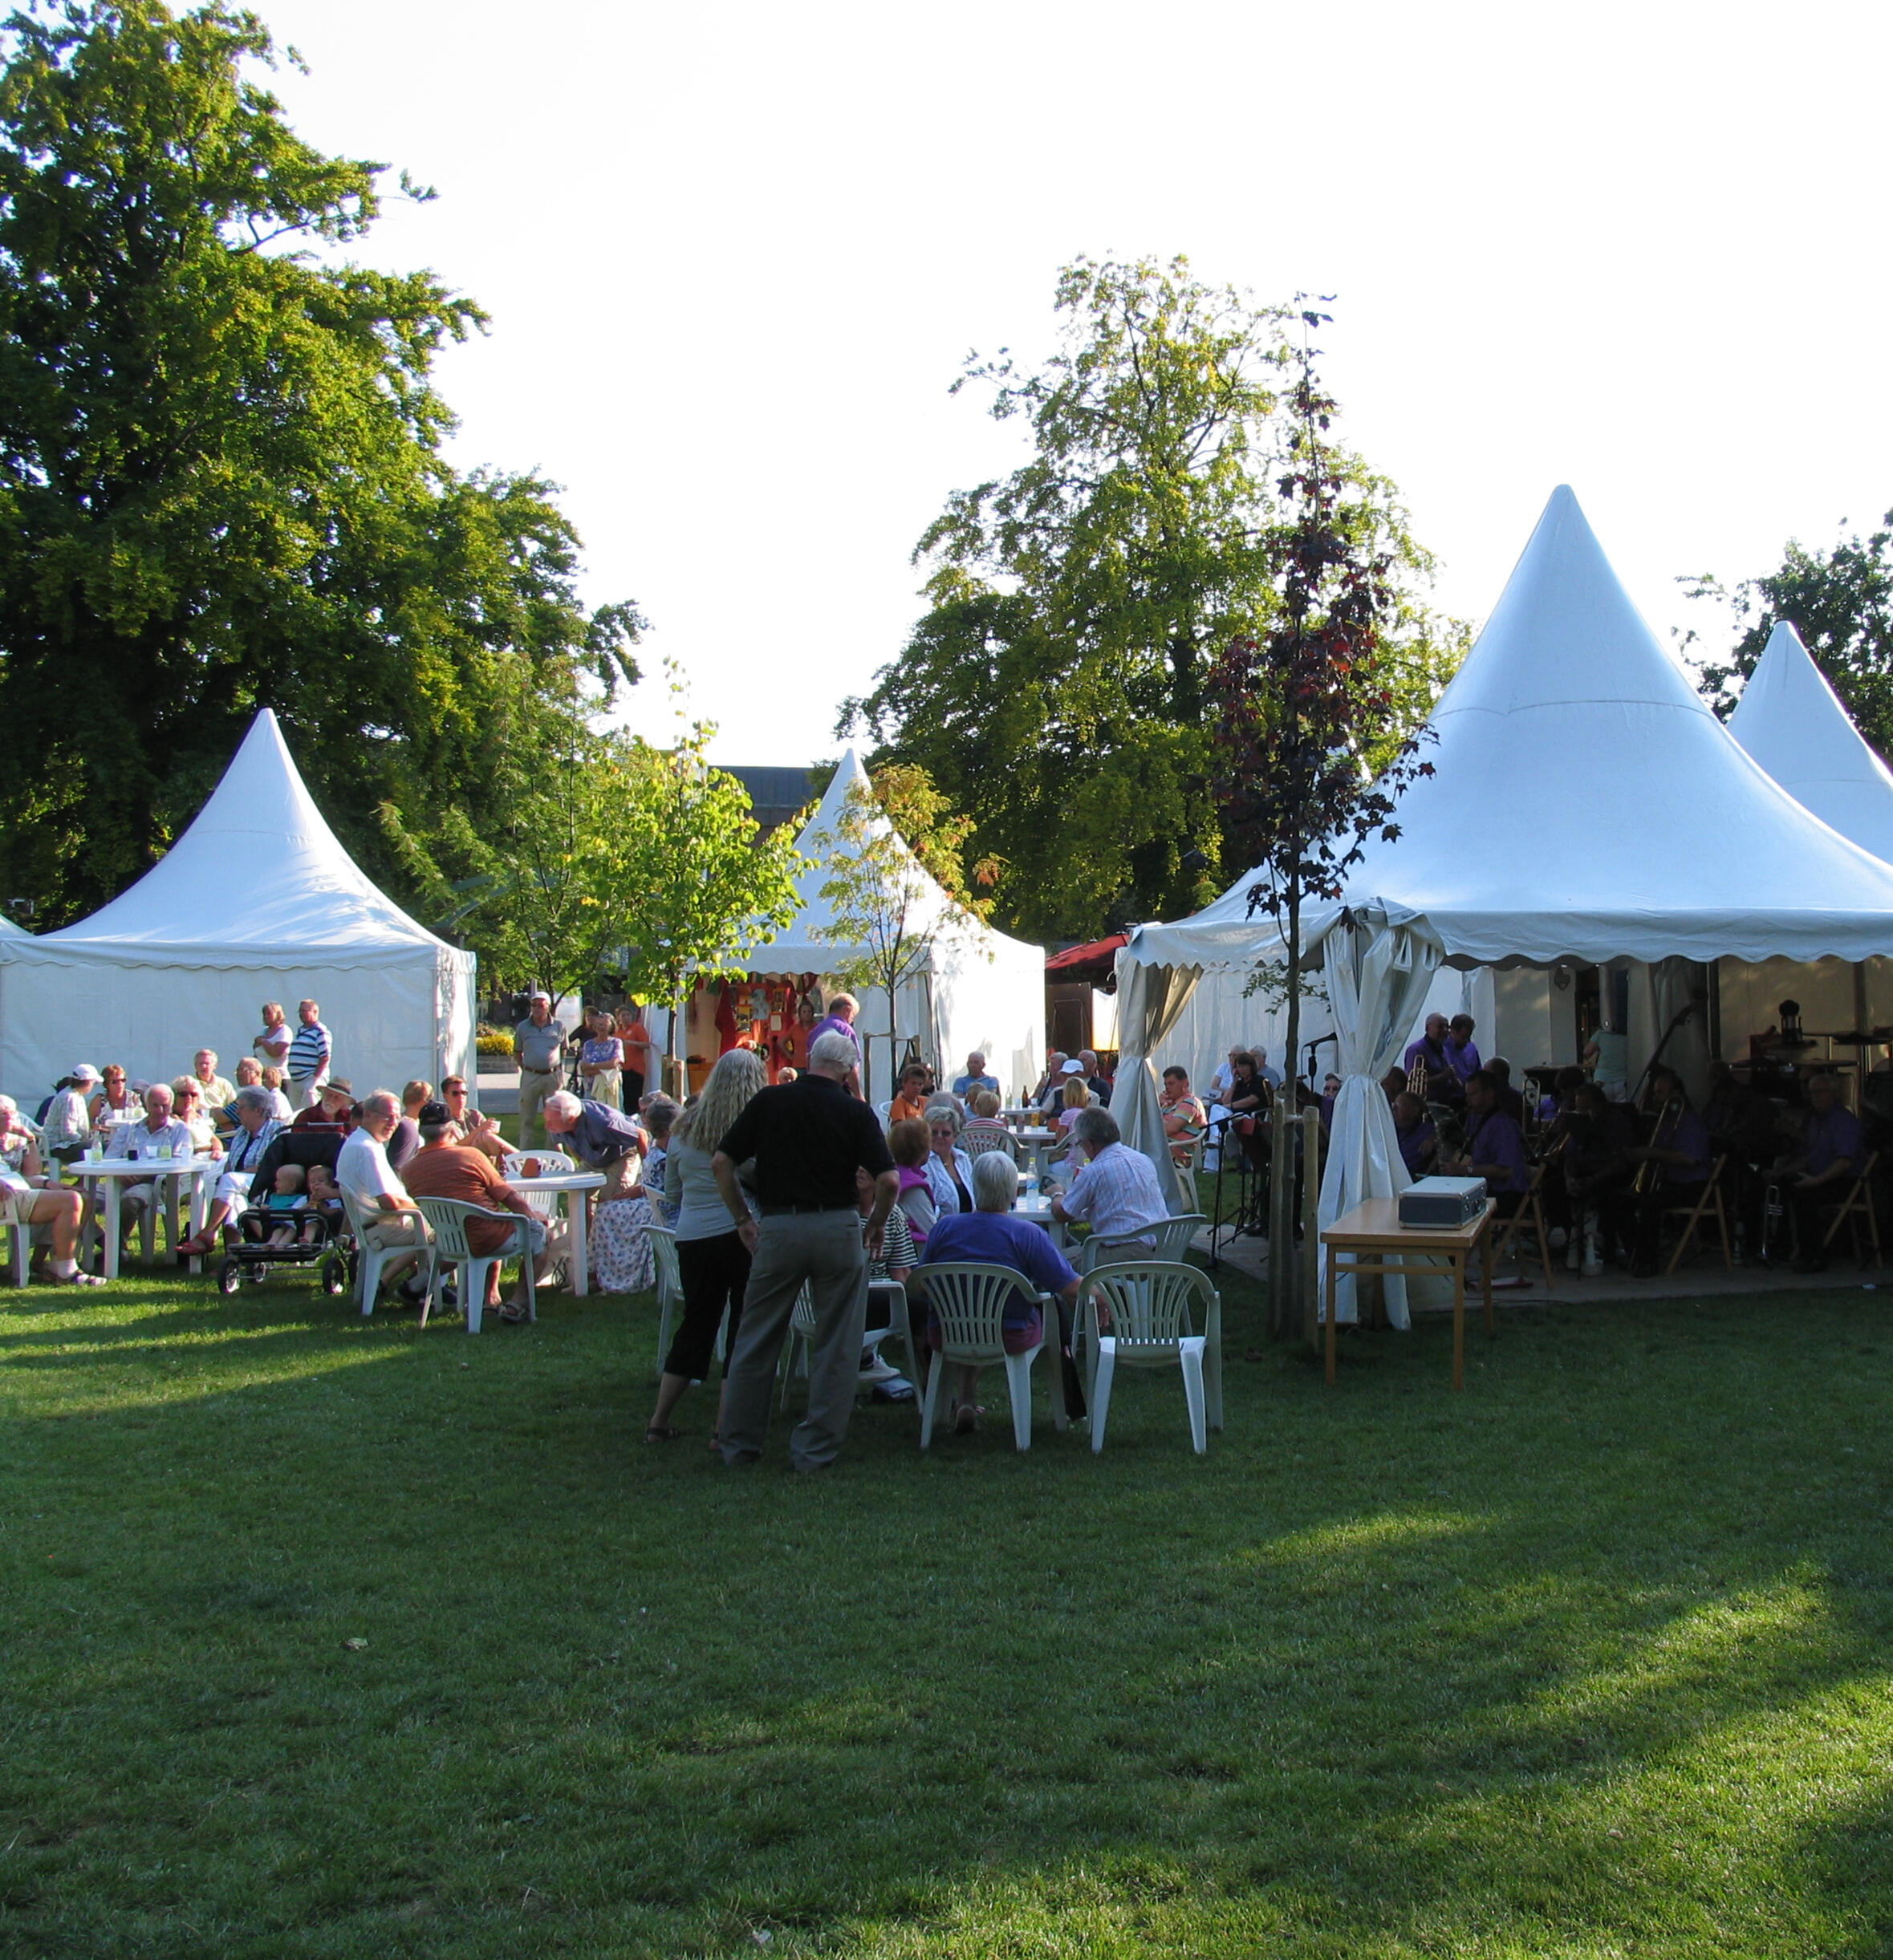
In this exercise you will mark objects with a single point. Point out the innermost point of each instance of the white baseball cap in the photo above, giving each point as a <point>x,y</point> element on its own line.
<point>1073,1068</point>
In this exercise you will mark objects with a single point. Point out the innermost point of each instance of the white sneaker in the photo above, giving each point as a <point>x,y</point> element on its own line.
<point>1593,1267</point>
<point>875,1369</point>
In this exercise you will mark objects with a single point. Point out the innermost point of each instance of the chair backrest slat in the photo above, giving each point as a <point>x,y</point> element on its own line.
<point>1148,1305</point>
<point>969,1301</point>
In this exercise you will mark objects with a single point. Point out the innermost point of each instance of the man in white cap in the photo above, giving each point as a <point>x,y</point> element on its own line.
<point>66,1122</point>
<point>539,1043</point>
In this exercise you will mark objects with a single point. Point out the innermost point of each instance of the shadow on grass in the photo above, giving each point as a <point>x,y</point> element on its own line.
<point>1590,1656</point>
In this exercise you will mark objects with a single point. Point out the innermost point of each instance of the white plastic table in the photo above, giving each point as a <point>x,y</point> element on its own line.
<point>571,1187</point>
<point>1036,1141</point>
<point>114,1173</point>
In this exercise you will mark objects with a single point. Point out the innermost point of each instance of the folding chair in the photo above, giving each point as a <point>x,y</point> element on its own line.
<point>1708,1200</point>
<point>1857,1205</point>
<point>1530,1214</point>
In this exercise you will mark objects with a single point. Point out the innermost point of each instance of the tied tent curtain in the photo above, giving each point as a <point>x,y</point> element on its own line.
<point>1150,1000</point>
<point>1378,976</point>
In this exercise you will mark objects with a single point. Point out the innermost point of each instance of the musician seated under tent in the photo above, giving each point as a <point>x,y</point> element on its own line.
<point>1823,1170</point>
<point>1672,1167</point>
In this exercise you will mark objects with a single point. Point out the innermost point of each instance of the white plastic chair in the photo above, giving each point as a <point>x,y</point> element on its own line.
<point>1166,1241</point>
<point>370,1260</point>
<point>22,1249</point>
<point>670,1286</point>
<point>1138,1317</point>
<point>969,1301</point>
<point>450,1217</point>
<point>981,1135</point>
<point>900,1327</point>
<point>552,1163</point>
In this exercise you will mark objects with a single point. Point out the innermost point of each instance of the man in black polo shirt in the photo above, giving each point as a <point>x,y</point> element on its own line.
<point>807,1136</point>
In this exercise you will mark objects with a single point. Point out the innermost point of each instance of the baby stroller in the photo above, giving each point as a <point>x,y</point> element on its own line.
<point>325,1245</point>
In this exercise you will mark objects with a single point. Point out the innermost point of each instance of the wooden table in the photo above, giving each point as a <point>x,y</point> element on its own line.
<point>1374,1227</point>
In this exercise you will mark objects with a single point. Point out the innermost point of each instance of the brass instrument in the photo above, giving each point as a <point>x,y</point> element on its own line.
<point>1417,1077</point>
<point>1671,1112</point>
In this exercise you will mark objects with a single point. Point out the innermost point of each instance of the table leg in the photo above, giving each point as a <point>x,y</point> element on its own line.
<point>1459,1319</point>
<point>200,1211</point>
<point>575,1211</point>
<point>112,1196</point>
<point>173,1200</point>
<point>1485,1273</point>
<point>1333,1255</point>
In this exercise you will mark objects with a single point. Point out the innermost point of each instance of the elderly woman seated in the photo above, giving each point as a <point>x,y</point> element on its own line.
<point>950,1169</point>
<point>990,1234</point>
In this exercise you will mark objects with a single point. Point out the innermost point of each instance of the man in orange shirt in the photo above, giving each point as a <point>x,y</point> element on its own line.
<point>444,1167</point>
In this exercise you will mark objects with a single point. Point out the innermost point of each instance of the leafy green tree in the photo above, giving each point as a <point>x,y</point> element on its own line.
<point>221,482</point>
<point>893,849</point>
<point>1840,601</point>
<point>1055,689</point>
<point>613,855</point>
<point>704,886</point>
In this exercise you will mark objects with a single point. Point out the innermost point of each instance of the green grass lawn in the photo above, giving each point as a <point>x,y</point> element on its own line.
<point>325,1638</point>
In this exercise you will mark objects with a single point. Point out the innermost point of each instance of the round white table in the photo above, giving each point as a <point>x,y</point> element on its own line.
<point>570,1187</point>
<point>114,1173</point>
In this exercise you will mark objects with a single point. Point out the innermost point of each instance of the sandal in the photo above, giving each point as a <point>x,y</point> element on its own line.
<point>966,1418</point>
<point>661,1432</point>
<point>514,1314</point>
<point>75,1278</point>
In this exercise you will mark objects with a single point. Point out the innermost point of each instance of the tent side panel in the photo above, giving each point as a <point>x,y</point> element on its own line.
<point>153,1019</point>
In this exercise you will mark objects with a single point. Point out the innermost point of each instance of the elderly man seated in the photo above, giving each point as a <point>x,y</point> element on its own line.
<point>51,1213</point>
<point>989,1235</point>
<point>333,1109</point>
<point>213,1091</point>
<point>1116,1192</point>
<point>976,1078</point>
<point>392,1221</point>
<point>258,1127</point>
<point>444,1167</point>
<point>158,1132</point>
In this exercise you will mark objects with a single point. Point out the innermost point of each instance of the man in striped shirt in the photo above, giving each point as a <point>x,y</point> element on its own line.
<point>309,1055</point>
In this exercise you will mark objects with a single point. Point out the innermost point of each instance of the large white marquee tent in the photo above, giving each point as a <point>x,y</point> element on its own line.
<point>258,900</point>
<point>978,989</point>
<point>1586,807</point>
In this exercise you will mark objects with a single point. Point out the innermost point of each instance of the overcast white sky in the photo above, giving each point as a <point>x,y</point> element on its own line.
<point>735,256</point>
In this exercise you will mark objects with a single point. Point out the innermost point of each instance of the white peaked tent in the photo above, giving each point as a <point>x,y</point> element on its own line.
<point>1791,721</point>
<point>1586,805</point>
<point>980,990</point>
<point>258,900</point>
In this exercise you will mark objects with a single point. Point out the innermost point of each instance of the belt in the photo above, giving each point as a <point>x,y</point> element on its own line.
<point>525,1070</point>
<point>781,1210</point>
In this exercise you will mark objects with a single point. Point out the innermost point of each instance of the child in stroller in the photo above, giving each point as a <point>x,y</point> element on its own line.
<point>294,1217</point>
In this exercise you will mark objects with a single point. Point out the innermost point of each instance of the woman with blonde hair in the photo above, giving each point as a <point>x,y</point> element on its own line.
<point>712,1259</point>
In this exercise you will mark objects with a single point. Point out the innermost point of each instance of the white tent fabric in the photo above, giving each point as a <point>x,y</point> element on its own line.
<point>1665,837</point>
<point>1378,981</point>
<point>1791,721</point>
<point>1148,1002</point>
<point>257,900</point>
<point>981,989</point>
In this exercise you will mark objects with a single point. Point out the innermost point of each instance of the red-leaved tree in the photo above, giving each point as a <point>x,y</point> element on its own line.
<point>1300,711</point>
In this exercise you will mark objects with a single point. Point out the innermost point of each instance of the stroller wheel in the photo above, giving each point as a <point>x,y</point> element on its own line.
<point>229,1276</point>
<point>335,1275</point>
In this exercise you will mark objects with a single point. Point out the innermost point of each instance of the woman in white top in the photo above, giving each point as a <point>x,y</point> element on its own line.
<point>712,1261</point>
<point>271,1047</point>
<point>950,1169</point>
